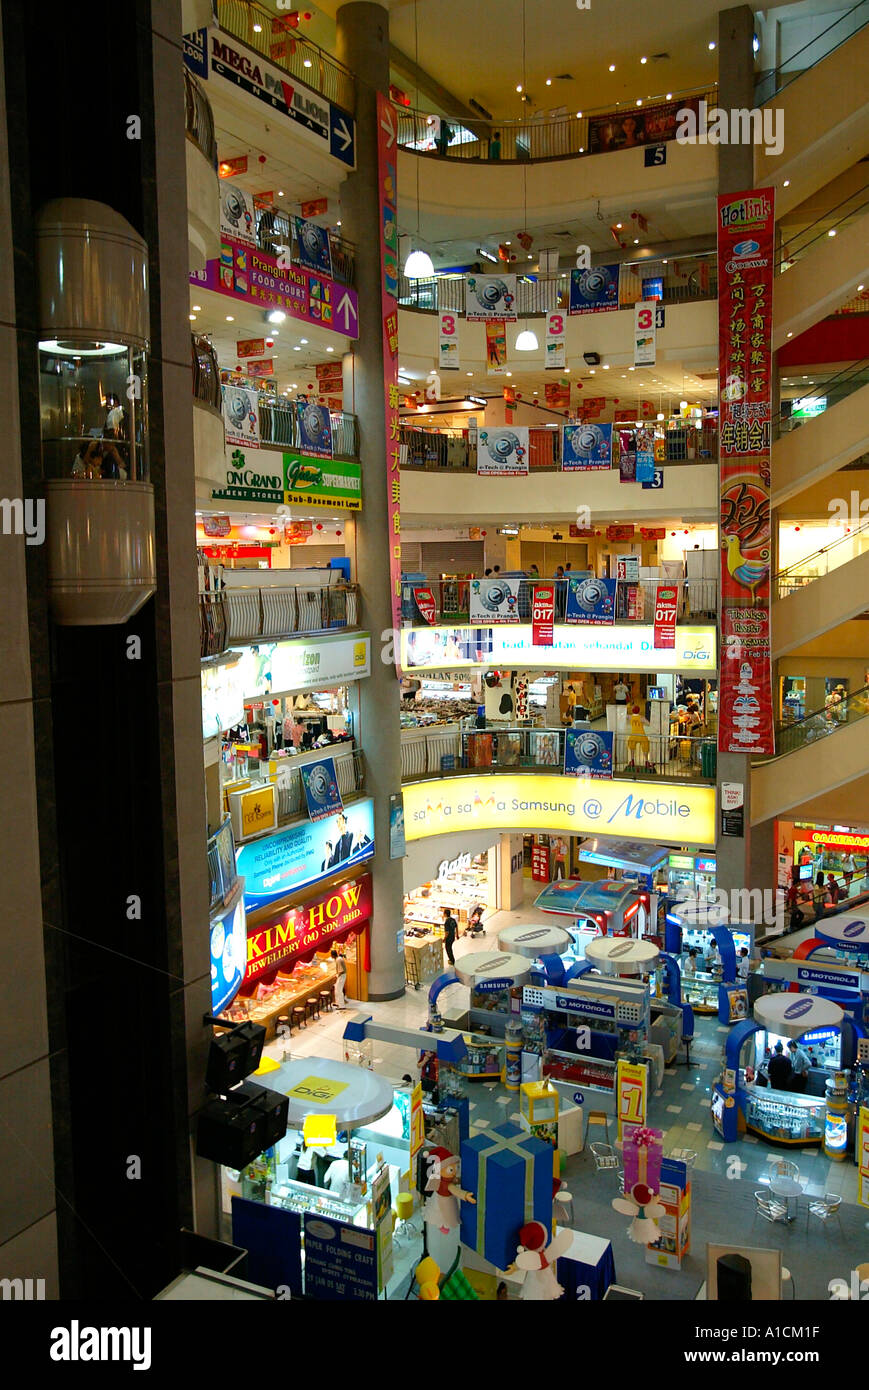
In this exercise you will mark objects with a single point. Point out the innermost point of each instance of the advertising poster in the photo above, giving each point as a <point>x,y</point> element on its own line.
<point>425,602</point>
<point>310,481</point>
<point>503,453</point>
<point>557,394</point>
<point>586,446</point>
<point>490,297</point>
<point>588,753</point>
<point>545,749</point>
<point>303,854</point>
<point>448,342</point>
<point>496,348</point>
<point>387,165</point>
<point>320,781</point>
<point>312,246</point>
<point>595,290</point>
<point>250,347</point>
<point>745,288</point>
<point>666,600</point>
<point>228,955</point>
<point>244,273</point>
<point>298,933</point>
<point>861,1146</point>
<point>341,1260</point>
<point>236,214</point>
<point>397,847</point>
<point>241,416</point>
<point>495,600</point>
<point>315,429</point>
<point>265,367</point>
<point>632,1084</point>
<point>628,130</point>
<point>543,615</point>
<point>627,456</point>
<point>628,568</point>
<point>553,347</point>
<point>591,600</point>
<point>644,334</point>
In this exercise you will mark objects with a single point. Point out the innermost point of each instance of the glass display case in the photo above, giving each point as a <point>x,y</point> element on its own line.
<point>596,1073</point>
<point>785,1118</point>
<point>701,992</point>
<point>485,1056</point>
<point>93,409</point>
<point>300,1197</point>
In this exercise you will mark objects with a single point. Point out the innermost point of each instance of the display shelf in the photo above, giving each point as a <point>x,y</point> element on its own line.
<point>701,993</point>
<point>796,1120</point>
<point>597,1073</point>
<point>484,1058</point>
<point>269,1002</point>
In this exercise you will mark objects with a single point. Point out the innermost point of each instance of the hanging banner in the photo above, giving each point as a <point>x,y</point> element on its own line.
<point>258,278</point>
<point>495,600</point>
<point>448,342</point>
<point>627,456</point>
<point>490,297</point>
<point>588,753</point>
<point>645,454</point>
<point>632,1088</point>
<point>250,347</point>
<point>315,429</point>
<point>241,416</point>
<point>543,615</point>
<point>745,286</point>
<point>591,601</point>
<point>425,602</point>
<point>297,532</point>
<point>595,290</point>
<point>387,163</point>
<point>321,789</point>
<point>312,246</point>
<point>557,394</point>
<point>503,453</point>
<point>629,129</point>
<point>553,347</point>
<point>265,367</point>
<point>666,600</point>
<point>496,348</point>
<point>586,446</point>
<point>644,334</point>
<point>237,215</point>
<point>861,1148</point>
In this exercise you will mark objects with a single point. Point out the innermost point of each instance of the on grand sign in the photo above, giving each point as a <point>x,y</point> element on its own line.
<point>300,932</point>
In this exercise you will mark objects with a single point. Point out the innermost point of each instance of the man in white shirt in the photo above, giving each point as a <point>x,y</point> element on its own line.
<point>621,692</point>
<point>800,1064</point>
<point>743,965</point>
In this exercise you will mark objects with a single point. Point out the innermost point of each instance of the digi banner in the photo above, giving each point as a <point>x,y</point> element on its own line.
<point>387,163</point>
<point>588,753</point>
<point>666,600</point>
<point>448,342</point>
<point>586,446</point>
<point>503,453</point>
<point>490,297</point>
<point>591,601</point>
<point>495,600</point>
<point>312,243</point>
<point>322,793</point>
<point>595,290</point>
<point>553,347</point>
<point>745,280</point>
<point>543,615</point>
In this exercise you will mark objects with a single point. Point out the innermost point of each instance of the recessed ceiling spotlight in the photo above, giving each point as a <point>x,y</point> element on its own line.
<point>549,81</point>
<point>509,374</point>
<point>230,318</point>
<point>669,96</point>
<point>711,46</point>
<point>196,308</point>
<point>639,101</point>
<point>644,60</point>
<point>297,348</point>
<point>280,193</point>
<point>579,115</point>
<point>519,88</point>
<point>330,349</point>
<point>612,67</point>
<point>192,318</point>
<point>786,184</point>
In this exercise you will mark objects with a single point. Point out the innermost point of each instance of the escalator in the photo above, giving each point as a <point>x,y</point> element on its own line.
<point>804,454</point>
<point>821,769</point>
<point>821,591</point>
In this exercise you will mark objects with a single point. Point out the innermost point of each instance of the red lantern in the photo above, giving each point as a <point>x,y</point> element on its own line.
<point>320,527</point>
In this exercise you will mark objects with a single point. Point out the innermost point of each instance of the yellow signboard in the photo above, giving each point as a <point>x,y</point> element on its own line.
<point>319,1131</point>
<point>317,1090</point>
<point>258,809</point>
<point>417,1131</point>
<point>632,1084</point>
<point>579,646</point>
<point>659,811</point>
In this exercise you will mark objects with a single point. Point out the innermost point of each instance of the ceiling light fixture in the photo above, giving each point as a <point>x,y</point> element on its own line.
<point>419,265</point>
<point>612,67</point>
<point>275,316</point>
<point>786,184</point>
<point>527,341</point>
<point>330,349</point>
<point>644,60</point>
<point>196,308</point>
<point>230,318</point>
<point>711,46</point>
<point>519,88</point>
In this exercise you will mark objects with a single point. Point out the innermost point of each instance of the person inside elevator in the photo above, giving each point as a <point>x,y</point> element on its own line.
<point>451,928</point>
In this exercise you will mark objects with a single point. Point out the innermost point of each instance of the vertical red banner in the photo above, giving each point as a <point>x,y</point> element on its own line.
<point>543,615</point>
<point>746,223</point>
<point>666,596</point>
<point>387,164</point>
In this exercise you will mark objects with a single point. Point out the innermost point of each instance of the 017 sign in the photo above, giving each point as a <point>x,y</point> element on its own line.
<point>542,615</point>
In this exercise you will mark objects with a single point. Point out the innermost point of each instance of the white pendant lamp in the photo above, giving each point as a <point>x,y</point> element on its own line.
<point>527,340</point>
<point>419,266</point>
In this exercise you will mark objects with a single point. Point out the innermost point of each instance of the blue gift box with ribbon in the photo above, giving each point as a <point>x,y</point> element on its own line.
<point>510,1173</point>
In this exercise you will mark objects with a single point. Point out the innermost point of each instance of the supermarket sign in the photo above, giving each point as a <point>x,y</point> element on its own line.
<point>300,932</point>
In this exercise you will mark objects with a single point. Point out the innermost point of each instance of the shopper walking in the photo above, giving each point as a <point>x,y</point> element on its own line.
<point>833,889</point>
<point>779,1069</point>
<point>621,692</point>
<point>340,979</point>
<point>849,868</point>
<point>451,928</point>
<point>799,1065</point>
<point>819,894</point>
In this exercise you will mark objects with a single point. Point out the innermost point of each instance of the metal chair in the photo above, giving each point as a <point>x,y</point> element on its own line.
<point>825,1208</point>
<point>783,1168</point>
<point>604,1156</point>
<point>686,1156</point>
<point>598,1117</point>
<point>769,1208</point>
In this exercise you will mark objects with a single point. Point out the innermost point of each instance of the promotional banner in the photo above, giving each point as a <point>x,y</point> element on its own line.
<point>256,278</point>
<point>322,794</point>
<point>627,456</point>
<point>503,453</point>
<point>228,955</point>
<point>495,600</point>
<point>336,483</point>
<point>387,165</point>
<point>490,297</point>
<point>643,1156</point>
<point>299,933</point>
<point>595,290</point>
<point>448,342</point>
<point>305,853</point>
<point>591,600</point>
<point>632,1098</point>
<point>297,532</point>
<point>553,347</point>
<point>588,753</point>
<point>265,367</point>
<point>645,454</point>
<point>666,601</point>
<point>237,214</point>
<point>341,1260</point>
<point>557,394</point>
<point>496,348</point>
<point>315,429</point>
<point>644,334</point>
<point>397,846</point>
<point>330,377</point>
<point>241,416</point>
<point>312,246</point>
<point>250,347</point>
<point>575,648</point>
<point>586,446</point>
<point>861,1147</point>
<point>629,129</point>
<point>745,286</point>
<point>543,614</point>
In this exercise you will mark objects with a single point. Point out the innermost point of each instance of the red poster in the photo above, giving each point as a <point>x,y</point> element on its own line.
<point>298,933</point>
<point>666,596</point>
<point>387,165</point>
<point>557,395</point>
<point>264,367</point>
<point>540,863</point>
<point>620,533</point>
<point>543,615</point>
<point>250,347</point>
<point>745,286</point>
<point>425,602</point>
<point>216,525</point>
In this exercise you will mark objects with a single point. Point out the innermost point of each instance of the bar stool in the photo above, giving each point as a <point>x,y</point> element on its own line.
<point>312,1007</point>
<point>327,999</point>
<point>283,1026</point>
<point>598,1117</point>
<point>299,1015</point>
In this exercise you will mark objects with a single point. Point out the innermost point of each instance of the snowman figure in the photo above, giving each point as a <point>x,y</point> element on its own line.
<point>442,1205</point>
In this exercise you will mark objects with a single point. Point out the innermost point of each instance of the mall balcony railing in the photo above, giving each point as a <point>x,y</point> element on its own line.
<point>236,616</point>
<point>276,233</point>
<point>206,371</point>
<point>824,394</point>
<point>696,599</point>
<point>279,424</point>
<point>769,83</point>
<point>433,451</point>
<point>274,37</point>
<point>440,753</point>
<point>802,572</point>
<point>222,873</point>
<point>349,771</point>
<point>821,723</point>
<point>832,220</point>
<point>198,119</point>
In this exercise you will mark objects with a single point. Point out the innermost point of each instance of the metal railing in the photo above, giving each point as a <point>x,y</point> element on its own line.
<point>696,598</point>
<point>276,234</point>
<point>198,120</point>
<point>822,228</point>
<point>832,390</point>
<point>439,753</point>
<point>274,37</point>
<point>838,552</point>
<point>279,424</point>
<point>233,616</point>
<point>433,451</point>
<point>349,770</point>
<point>775,80</point>
<point>821,723</point>
<point>555,134</point>
<point>206,371</point>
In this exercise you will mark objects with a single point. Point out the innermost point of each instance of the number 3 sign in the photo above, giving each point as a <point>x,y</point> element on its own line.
<point>644,334</point>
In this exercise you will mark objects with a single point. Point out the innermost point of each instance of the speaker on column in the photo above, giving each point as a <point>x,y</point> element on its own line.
<point>734,1279</point>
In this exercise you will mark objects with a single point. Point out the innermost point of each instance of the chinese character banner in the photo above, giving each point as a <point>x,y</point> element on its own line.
<point>387,162</point>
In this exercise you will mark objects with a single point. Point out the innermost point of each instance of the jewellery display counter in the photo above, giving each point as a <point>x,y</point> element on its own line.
<point>784,1117</point>
<point>268,1002</point>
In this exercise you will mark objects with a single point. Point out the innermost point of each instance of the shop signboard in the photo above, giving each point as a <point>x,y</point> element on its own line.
<point>313,482</point>
<point>241,416</point>
<point>228,954</point>
<point>425,602</point>
<point>322,793</point>
<point>625,130</point>
<point>340,1260</point>
<point>254,810</point>
<point>503,453</point>
<point>304,854</point>
<point>300,932</point>
<point>576,647</point>
<point>586,447</point>
<point>553,344</point>
<point>591,601</point>
<point>318,664</point>
<point>236,214</point>
<point>588,753</point>
<point>542,614</point>
<point>632,1087</point>
<point>494,600</point>
<point>666,599</point>
<point>249,479</point>
<point>595,290</point>
<point>551,803</point>
<point>490,297</point>
<point>387,186</point>
<point>644,334</point>
<point>746,223</point>
<point>256,277</point>
<point>312,246</point>
<point>448,342</point>
<point>831,839</point>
